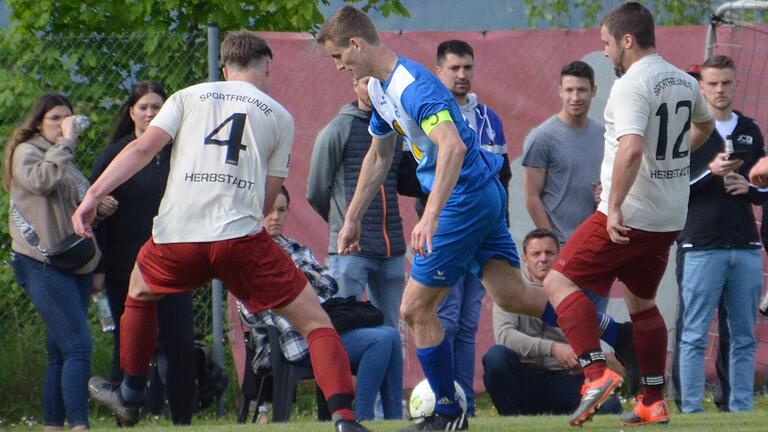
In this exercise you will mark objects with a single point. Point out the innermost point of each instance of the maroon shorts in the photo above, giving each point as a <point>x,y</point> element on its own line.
<point>590,259</point>
<point>253,268</point>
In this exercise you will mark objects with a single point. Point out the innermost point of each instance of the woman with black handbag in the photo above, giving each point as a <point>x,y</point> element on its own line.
<point>51,264</point>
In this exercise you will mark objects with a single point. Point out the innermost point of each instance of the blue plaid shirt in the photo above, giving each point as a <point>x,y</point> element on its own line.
<point>293,345</point>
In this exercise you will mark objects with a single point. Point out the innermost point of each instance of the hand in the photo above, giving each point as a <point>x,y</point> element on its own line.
<point>721,166</point>
<point>616,228</point>
<point>735,184</point>
<point>68,128</point>
<point>422,235</point>
<point>98,283</point>
<point>564,355</point>
<point>758,175</point>
<point>84,216</point>
<point>107,207</point>
<point>597,190</point>
<point>349,238</point>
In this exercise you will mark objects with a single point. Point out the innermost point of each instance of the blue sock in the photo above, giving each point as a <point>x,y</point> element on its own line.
<point>609,329</point>
<point>549,316</point>
<point>437,363</point>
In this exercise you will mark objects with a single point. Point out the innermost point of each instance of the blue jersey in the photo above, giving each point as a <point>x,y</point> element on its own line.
<point>412,94</point>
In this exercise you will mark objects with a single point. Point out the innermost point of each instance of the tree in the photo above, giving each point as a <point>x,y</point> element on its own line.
<point>558,13</point>
<point>116,16</point>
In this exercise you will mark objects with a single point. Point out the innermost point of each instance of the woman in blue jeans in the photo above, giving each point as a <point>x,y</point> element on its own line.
<point>45,189</point>
<point>375,353</point>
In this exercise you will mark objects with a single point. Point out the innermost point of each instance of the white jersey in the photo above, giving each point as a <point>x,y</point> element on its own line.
<point>658,102</point>
<point>227,138</point>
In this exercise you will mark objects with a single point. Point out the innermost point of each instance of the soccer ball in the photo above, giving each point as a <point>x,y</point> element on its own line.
<point>422,402</point>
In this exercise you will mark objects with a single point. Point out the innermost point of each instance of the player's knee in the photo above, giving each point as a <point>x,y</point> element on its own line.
<point>413,313</point>
<point>550,284</point>
<point>311,320</point>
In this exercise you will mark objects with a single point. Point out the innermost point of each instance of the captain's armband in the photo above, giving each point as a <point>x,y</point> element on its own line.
<point>431,122</point>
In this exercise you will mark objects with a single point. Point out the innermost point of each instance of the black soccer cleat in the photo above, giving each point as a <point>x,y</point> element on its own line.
<point>350,426</point>
<point>104,393</point>
<point>625,353</point>
<point>439,422</point>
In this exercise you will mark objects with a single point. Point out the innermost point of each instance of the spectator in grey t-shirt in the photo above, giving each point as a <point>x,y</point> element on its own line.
<point>562,157</point>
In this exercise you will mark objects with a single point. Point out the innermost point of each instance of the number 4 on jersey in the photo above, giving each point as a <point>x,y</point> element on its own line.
<point>235,139</point>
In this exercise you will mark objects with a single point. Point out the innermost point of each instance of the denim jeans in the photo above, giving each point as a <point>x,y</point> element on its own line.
<point>385,278</point>
<point>518,389</point>
<point>61,299</point>
<point>736,275</point>
<point>723,391</point>
<point>376,357</point>
<point>459,314</point>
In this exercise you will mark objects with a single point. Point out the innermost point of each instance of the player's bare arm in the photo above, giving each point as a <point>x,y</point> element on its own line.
<point>533,180</point>
<point>629,156</point>
<point>450,158</point>
<point>372,174</point>
<point>700,132</point>
<point>270,193</point>
<point>136,155</point>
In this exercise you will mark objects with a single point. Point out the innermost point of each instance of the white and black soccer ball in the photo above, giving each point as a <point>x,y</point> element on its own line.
<point>422,402</point>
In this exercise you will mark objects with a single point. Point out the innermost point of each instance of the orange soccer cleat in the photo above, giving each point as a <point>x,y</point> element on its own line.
<point>656,413</point>
<point>594,394</point>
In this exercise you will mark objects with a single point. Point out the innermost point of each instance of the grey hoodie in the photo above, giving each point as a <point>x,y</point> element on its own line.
<point>45,194</point>
<point>528,337</point>
<point>337,157</point>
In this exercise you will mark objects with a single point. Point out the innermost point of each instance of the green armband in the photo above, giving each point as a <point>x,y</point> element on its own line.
<point>431,122</point>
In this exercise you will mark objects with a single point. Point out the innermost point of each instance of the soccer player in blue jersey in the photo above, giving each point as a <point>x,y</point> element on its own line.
<point>463,227</point>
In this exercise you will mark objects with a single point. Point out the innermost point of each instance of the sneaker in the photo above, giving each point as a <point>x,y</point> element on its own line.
<point>439,422</point>
<point>105,393</point>
<point>657,413</point>
<point>625,353</point>
<point>594,394</point>
<point>349,426</point>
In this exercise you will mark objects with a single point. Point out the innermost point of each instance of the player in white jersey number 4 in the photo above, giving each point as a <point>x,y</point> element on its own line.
<point>231,147</point>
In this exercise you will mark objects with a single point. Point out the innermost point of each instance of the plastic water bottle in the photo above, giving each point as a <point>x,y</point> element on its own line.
<point>728,145</point>
<point>103,312</point>
<point>81,123</point>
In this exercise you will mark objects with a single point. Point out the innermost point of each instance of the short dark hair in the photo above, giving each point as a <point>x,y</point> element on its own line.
<point>346,23</point>
<point>578,69</point>
<point>719,62</point>
<point>540,233</point>
<point>634,19</point>
<point>454,46</point>
<point>240,48</point>
<point>284,191</point>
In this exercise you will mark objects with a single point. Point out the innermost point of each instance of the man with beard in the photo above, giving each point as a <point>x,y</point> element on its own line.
<point>655,116</point>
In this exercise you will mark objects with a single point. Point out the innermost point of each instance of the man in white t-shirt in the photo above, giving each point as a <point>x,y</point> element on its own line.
<point>232,146</point>
<point>654,117</point>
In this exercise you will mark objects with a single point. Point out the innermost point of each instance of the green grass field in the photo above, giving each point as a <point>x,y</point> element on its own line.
<point>714,422</point>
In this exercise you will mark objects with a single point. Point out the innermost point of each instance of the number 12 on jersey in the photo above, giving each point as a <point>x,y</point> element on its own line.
<point>663,114</point>
<point>234,142</point>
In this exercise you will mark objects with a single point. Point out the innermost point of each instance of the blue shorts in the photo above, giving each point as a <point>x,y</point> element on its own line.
<point>471,230</point>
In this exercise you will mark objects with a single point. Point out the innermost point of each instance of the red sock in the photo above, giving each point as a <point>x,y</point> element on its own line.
<point>330,364</point>
<point>576,318</point>
<point>138,335</point>
<point>649,334</point>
